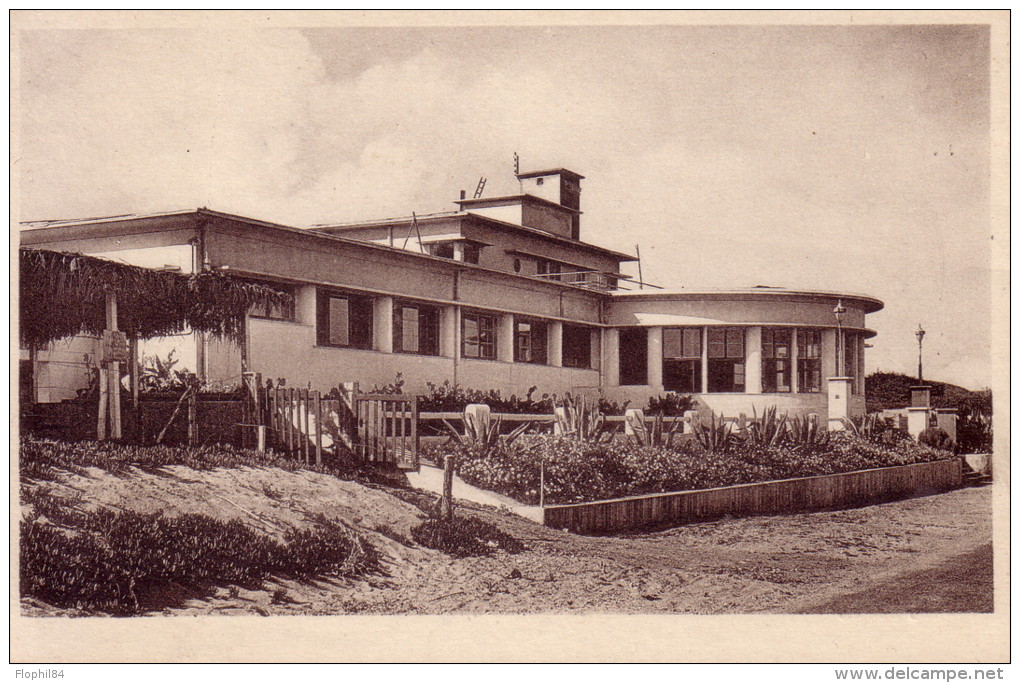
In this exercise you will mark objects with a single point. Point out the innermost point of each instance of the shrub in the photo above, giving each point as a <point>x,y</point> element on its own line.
<point>582,419</point>
<point>110,559</point>
<point>936,437</point>
<point>659,436</point>
<point>464,537</point>
<point>670,404</point>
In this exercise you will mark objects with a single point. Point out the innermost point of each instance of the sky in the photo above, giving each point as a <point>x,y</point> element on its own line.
<point>839,158</point>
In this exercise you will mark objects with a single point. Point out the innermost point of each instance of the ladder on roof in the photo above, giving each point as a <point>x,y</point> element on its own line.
<point>481,186</point>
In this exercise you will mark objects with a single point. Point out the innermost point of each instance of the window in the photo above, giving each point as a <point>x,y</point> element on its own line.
<point>549,268</point>
<point>517,265</point>
<point>344,320</point>
<point>850,359</point>
<point>478,336</point>
<point>442,250</point>
<point>809,360</point>
<point>681,359</point>
<point>415,328</point>
<point>276,311</point>
<point>576,346</point>
<point>472,253</point>
<point>634,356</point>
<point>530,342</point>
<point>725,359</point>
<point>776,360</point>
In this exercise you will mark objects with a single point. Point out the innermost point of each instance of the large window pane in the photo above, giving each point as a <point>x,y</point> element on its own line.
<point>344,319</point>
<point>530,339</point>
<point>634,355</point>
<point>478,332</point>
<point>726,369</point>
<point>576,346</point>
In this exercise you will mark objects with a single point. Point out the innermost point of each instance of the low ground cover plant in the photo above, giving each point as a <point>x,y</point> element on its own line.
<point>464,536</point>
<point>42,459</point>
<point>120,561</point>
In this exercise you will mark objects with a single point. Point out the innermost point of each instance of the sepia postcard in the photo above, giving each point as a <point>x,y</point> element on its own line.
<point>510,336</point>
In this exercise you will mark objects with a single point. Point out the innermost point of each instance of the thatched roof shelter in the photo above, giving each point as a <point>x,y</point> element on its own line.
<point>65,294</point>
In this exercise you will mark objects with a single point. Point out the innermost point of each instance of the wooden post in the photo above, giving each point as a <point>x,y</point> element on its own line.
<point>135,371</point>
<point>104,389</point>
<point>446,502</point>
<point>193,419</point>
<point>317,398</point>
<point>113,400</point>
<point>306,420</point>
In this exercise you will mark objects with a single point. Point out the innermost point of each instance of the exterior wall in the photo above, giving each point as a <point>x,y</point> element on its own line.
<point>63,367</point>
<point>665,309</point>
<point>545,217</point>
<point>497,257</point>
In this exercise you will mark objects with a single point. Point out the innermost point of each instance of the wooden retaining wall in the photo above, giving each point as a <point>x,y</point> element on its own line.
<point>774,497</point>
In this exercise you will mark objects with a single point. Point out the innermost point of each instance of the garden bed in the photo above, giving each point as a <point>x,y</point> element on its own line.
<point>540,469</point>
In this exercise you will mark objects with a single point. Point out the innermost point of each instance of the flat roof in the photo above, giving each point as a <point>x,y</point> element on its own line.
<point>551,171</point>
<point>510,199</point>
<point>870,303</point>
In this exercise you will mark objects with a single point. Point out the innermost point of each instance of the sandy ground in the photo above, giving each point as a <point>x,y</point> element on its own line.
<point>813,562</point>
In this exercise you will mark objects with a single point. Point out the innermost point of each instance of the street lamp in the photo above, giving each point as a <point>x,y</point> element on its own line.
<point>920,339</point>
<point>840,312</point>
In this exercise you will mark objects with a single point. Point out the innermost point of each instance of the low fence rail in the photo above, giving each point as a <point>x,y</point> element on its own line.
<point>829,491</point>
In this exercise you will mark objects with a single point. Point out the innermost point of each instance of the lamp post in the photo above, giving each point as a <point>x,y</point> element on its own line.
<point>920,340</point>
<point>840,312</point>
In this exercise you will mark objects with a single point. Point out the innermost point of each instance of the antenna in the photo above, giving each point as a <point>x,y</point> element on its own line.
<point>481,186</point>
<point>517,164</point>
<point>414,227</point>
<point>640,277</point>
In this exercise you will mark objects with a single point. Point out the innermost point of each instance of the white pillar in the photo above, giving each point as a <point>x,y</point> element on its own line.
<point>752,361</point>
<point>505,338</point>
<point>655,356</point>
<point>382,323</point>
<point>917,420</point>
<point>458,251</point>
<point>946,418</point>
<point>448,331</point>
<point>555,344</point>
<point>304,305</point>
<point>611,359</point>
<point>839,402</point>
<point>633,421</point>
<point>828,353</point>
<point>794,350</point>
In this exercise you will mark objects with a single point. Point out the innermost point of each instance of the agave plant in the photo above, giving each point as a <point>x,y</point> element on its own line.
<point>659,436</point>
<point>483,435</point>
<point>806,431</point>
<point>716,436</point>
<point>767,432</point>
<point>868,427</point>
<point>583,420</point>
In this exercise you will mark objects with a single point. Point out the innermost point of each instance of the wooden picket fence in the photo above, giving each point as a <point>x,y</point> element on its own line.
<point>370,428</point>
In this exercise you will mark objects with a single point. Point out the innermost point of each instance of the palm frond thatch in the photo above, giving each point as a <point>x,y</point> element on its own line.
<point>64,294</point>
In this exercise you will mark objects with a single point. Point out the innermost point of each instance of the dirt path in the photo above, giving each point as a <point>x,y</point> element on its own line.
<point>793,563</point>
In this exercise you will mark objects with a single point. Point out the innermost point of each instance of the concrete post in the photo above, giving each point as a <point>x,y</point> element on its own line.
<point>752,366</point>
<point>946,418</point>
<point>478,416</point>
<point>689,417</point>
<point>505,338</point>
<point>383,324</point>
<point>917,420</point>
<point>611,362</point>
<point>920,396</point>
<point>655,356</point>
<point>633,421</point>
<point>555,342</point>
<point>839,402</point>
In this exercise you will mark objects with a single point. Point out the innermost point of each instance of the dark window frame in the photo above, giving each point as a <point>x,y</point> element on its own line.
<point>776,367</point>
<point>809,364</point>
<point>533,343</point>
<point>360,323</point>
<point>682,369</point>
<point>487,337</point>
<point>288,313</point>
<point>727,365</point>
<point>584,360</point>
<point>427,324</point>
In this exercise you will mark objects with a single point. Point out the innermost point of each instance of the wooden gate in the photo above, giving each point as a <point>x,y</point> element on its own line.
<point>376,428</point>
<point>387,429</point>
